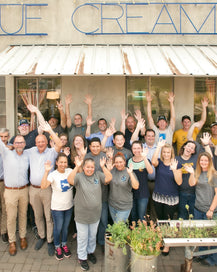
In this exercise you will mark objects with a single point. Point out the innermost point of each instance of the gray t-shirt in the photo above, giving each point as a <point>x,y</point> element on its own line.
<point>73,131</point>
<point>120,193</point>
<point>167,134</point>
<point>98,168</point>
<point>127,153</point>
<point>205,193</point>
<point>88,203</point>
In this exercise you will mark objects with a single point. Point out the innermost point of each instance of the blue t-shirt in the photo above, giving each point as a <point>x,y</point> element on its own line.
<point>165,183</point>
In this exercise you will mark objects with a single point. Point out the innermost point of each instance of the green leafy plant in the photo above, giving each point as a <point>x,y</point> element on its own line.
<point>119,234</point>
<point>146,238</point>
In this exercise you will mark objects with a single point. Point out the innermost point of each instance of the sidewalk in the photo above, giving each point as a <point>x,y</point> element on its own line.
<point>31,260</point>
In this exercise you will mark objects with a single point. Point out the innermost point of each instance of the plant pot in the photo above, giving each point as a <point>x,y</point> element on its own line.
<point>115,260</point>
<point>143,263</point>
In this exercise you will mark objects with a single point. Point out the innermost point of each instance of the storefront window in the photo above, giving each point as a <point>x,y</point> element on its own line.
<point>205,87</point>
<point>41,92</point>
<point>159,88</point>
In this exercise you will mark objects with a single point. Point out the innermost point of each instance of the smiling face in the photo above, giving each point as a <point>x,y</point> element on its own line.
<point>77,120</point>
<point>24,129</point>
<point>119,141</point>
<point>166,153</point>
<point>41,143</point>
<point>189,149</point>
<point>64,140</point>
<point>4,137</point>
<point>102,125</point>
<point>53,122</point>
<point>130,123</point>
<point>78,142</point>
<point>120,163</point>
<point>150,138</point>
<point>186,123</point>
<point>19,144</point>
<point>204,163</point>
<point>162,124</point>
<point>136,149</point>
<point>62,164</point>
<point>95,148</point>
<point>214,131</point>
<point>89,168</point>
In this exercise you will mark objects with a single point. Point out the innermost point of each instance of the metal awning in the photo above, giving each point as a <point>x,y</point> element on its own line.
<point>117,60</point>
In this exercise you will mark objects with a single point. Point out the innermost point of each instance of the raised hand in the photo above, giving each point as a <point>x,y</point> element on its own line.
<point>109,153</point>
<point>32,108</point>
<point>189,168</point>
<point>66,151</point>
<point>45,126</point>
<point>130,168</point>
<point>102,162</point>
<point>141,124</point>
<point>109,164</point>
<point>205,101</point>
<point>161,142</point>
<point>124,115</point>
<point>171,97</point>
<point>206,138</point>
<point>78,161</point>
<point>89,121</point>
<point>148,97</point>
<point>88,99</point>
<point>144,152</point>
<point>83,152</point>
<point>138,115</point>
<point>68,99</point>
<point>173,164</point>
<point>60,106</point>
<point>48,166</point>
<point>112,123</point>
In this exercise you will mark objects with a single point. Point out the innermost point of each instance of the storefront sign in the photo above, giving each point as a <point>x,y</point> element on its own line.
<point>19,24</point>
<point>146,18</point>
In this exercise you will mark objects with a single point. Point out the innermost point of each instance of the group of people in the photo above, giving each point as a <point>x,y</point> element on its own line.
<point>123,174</point>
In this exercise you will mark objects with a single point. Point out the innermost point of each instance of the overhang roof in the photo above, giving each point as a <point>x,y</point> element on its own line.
<point>130,60</point>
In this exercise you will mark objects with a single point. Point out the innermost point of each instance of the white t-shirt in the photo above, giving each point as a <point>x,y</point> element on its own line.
<point>62,197</point>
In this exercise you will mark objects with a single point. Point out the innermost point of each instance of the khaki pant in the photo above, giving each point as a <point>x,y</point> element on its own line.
<point>16,200</point>
<point>3,209</point>
<point>40,199</point>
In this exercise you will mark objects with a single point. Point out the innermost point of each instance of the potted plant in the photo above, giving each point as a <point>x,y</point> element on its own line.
<point>116,248</point>
<point>145,243</point>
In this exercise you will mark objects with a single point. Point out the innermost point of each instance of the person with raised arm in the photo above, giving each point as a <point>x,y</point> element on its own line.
<point>88,205</point>
<point>77,128</point>
<point>163,129</point>
<point>180,135</point>
<point>168,177</point>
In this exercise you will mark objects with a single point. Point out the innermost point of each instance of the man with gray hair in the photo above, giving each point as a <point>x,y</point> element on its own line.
<point>16,165</point>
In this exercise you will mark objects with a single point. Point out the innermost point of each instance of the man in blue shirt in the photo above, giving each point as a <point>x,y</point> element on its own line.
<point>16,165</point>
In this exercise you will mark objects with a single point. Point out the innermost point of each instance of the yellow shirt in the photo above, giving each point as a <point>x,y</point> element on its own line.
<point>214,141</point>
<point>180,137</point>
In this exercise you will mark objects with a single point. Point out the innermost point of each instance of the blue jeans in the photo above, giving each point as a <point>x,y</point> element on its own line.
<point>61,220</point>
<point>118,215</point>
<point>103,224</point>
<point>86,239</point>
<point>186,199</point>
<point>211,258</point>
<point>139,209</point>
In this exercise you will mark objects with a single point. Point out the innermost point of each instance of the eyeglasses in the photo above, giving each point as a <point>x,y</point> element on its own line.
<point>17,143</point>
<point>24,125</point>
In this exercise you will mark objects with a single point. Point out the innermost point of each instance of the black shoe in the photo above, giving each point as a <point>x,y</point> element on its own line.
<point>84,265</point>
<point>92,258</point>
<point>35,230</point>
<point>5,237</point>
<point>197,259</point>
<point>39,243</point>
<point>50,249</point>
<point>59,253</point>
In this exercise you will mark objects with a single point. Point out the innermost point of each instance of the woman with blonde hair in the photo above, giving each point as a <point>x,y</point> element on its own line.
<point>168,177</point>
<point>205,179</point>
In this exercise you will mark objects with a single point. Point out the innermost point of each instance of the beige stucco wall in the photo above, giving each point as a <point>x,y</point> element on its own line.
<point>108,96</point>
<point>184,98</point>
<point>56,21</point>
<point>10,104</point>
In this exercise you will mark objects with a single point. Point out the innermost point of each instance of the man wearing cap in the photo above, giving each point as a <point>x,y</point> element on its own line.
<point>24,130</point>
<point>180,135</point>
<point>162,130</point>
<point>16,165</point>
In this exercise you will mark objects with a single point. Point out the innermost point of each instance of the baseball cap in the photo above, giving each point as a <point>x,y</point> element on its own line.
<point>53,116</point>
<point>213,124</point>
<point>161,117</point>
<point>186,117</point>
<point>22,122</point>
